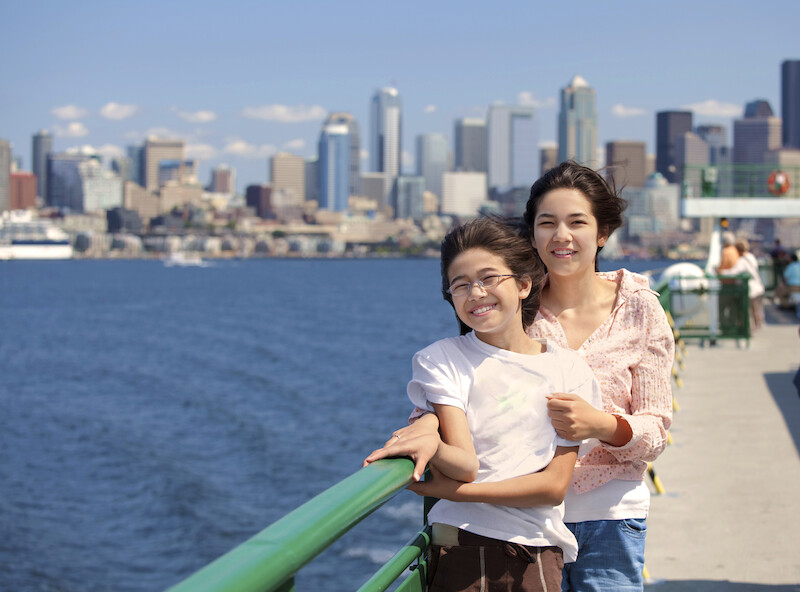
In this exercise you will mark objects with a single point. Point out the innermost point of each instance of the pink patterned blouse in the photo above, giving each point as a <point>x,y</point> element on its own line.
<point>631,354</point>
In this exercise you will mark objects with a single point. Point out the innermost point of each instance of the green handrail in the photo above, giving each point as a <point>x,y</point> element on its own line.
<point>270,559</point>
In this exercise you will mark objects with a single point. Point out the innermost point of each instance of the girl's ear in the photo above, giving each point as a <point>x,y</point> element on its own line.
<point>525,286</point>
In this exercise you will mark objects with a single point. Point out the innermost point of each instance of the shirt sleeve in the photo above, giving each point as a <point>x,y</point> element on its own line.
<point>434,380</point>
<point>651,389</point>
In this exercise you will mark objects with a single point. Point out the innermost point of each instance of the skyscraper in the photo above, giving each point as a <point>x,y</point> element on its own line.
<point>223,179</point>
<point>513,152</point>
<point>577,123</point>
<point>790,103</point>
<point>347,119</point>
<point>670,126</point>
<point>432,160</point>
<point>626,162</point>
<point>334,168</point>
<point>470,145</point>
<point>408,201</point>
<point>288,177</point>
<point>5,175</point>
<point>758,132</point>
<point>42,145</point>
<point>155,150</point>
<point>386,144</point>
<point>716,136</point>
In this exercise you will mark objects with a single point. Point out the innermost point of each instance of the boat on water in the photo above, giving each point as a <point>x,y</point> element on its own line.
<point>180,259</point>
<point>24,236</point>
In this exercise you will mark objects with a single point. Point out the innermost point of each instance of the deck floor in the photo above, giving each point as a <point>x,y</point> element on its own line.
<point>730,516</point>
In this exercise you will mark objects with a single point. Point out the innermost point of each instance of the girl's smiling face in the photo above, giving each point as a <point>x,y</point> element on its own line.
<point>495,314</point>
<point>565,233</point>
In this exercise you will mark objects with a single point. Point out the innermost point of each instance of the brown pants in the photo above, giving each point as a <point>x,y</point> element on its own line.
<point>482,564</point>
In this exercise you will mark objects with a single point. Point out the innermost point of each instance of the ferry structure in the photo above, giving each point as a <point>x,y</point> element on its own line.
<point>24,236</point>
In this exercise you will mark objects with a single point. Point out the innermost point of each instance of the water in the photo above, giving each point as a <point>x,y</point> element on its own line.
<point>154,418</point>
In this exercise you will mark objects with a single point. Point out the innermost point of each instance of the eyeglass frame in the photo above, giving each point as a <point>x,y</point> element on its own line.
<point>501,278</point>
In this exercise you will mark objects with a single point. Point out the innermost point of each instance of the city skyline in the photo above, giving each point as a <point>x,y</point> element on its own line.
<point>241,84</point>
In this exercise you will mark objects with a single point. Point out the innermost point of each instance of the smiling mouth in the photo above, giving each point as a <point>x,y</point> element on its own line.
<point>563,252</point>
<point>481,310</point>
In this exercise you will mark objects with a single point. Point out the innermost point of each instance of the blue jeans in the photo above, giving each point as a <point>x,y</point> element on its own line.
<point>610,556</point>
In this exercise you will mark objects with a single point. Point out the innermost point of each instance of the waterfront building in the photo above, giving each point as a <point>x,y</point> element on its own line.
<point>288,177</point>
<point>548,158</point>
<point>432,158</point>
<point>79,183</point>
<point>577,123</point>
<point>690,151</point>
<point>626,162</point>
<point>512,146</point>
<point>180,172</point>
<point>311,177</point>
<point>790,103</point>
<point>223,180</point>
<point>154,151</point>
<point>5,175</point>
<point>22,191</point>
<point>342,118</point>
<point>408,197</point>
<point>470,145</point>
<point>463,193</point>
<point>41,146</point>
<point>259,198</point>
<point>136,156</point>
<point>334,168</point>
<point>377,187</point>
<point>653,208</point>
<point>670,126</point>
<point>758,132</point>
<point>716,138</point>
<point>386,142</point>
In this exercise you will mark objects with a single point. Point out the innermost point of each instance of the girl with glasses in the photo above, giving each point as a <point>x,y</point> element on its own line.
<point>498,466</point>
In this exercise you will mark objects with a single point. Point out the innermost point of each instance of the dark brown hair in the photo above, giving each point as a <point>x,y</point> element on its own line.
<point>502,237</point>
<point>607,206</point>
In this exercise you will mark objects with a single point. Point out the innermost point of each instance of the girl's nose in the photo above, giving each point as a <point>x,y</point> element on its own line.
<point>562,232</point>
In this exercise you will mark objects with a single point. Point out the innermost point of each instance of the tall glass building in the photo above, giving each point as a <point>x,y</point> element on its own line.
<point>513,152</point>
<point>470,144</point>
<point>334,168</point>
<point>790,103</point>
<point>432,161</point>
<point>41,147</point>
<point>670,127</point>
<point>347,119</point>
<point>577,123</point>
<point>385,142</point>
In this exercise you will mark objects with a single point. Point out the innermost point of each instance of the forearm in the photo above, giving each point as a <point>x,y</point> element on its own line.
<point>613,430</point>
<point>455,462</point>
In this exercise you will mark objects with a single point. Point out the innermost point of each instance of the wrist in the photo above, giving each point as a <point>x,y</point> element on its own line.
<point>617,431</point>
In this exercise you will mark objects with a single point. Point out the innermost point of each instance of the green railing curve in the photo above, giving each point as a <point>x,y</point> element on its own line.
<point>270,560</point>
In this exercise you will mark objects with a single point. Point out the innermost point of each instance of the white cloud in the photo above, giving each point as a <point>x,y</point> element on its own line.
<point>297,144</point>
<point>74,130</point>
<point>196,116</point>
<point>529,99</point>
<point>714,108</point>
<point>622,111</point>
<point>114,110</point>
<point>429,109</point>
<point>85,150</point>
<point>163,133</point>
<point>109,152</point>
<point>247,150</point>
<point>285,113</point>
<point>200,151</point>
<point>69,112</point>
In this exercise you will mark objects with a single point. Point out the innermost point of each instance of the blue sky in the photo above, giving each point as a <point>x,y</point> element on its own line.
<point>241,80</point>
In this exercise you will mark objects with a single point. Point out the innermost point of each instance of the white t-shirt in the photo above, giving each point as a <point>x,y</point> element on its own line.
<point>503,396</point>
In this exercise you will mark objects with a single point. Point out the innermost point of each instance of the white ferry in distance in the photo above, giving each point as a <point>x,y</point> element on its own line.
<point>23,236</point>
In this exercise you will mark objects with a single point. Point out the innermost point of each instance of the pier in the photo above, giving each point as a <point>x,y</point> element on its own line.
<point>729,519</point>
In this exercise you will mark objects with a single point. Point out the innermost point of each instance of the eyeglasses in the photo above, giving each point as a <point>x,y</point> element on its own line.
<point>486,283</point>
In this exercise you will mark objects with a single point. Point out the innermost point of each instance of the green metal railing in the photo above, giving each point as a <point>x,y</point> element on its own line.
<point>742,180</point>
<point>270,560</point>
